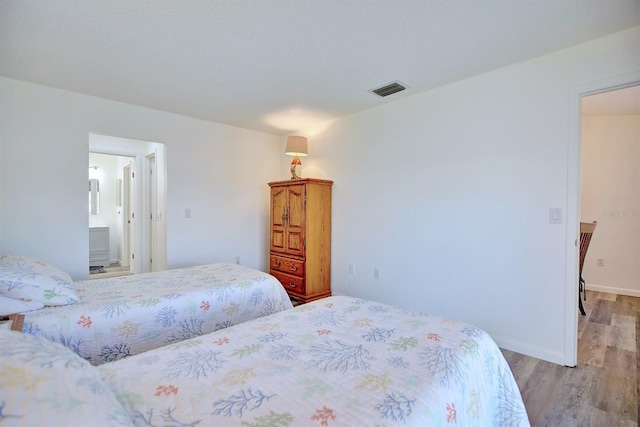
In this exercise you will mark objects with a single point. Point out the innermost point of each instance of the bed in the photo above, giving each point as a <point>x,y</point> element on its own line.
<point>118,317</point>
<point>336,361</point>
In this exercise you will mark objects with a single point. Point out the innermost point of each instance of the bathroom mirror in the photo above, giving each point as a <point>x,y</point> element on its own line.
<point>94,197</point>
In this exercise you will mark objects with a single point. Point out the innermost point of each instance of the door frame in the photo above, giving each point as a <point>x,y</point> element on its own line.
<point>151,211</point>
<point>573,203</point>
<point>126,216</point>
<point>139,206</point>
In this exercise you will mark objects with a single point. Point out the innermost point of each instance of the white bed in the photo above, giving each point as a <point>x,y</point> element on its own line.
<point>336,361</point>
<point>333,362</point>
<point>121,316</point>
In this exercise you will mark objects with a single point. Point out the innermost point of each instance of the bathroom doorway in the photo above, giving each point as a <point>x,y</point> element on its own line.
<point>139,168</point>
<point>109,202</point>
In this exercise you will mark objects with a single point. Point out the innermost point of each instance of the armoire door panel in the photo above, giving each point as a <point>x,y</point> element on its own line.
<point>295,243</point>
<point>296,206</point>
<point>277,240</point>
<point>278,207</point>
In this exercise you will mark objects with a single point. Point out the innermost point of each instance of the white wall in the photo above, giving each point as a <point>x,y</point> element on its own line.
<point>448,193</point>
<point>218,171</point>
<point>611,195</point>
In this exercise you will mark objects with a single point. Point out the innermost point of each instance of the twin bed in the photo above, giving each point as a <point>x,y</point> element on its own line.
<point>121,316</point>
<point>335,361</point>
<point>221,344</point>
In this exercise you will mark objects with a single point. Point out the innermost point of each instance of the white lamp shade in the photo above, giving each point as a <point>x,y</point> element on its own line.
<point>296,146</point>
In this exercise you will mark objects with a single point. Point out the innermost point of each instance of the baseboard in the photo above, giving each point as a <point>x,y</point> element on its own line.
<point>529,350</point>
<point>610,290</point>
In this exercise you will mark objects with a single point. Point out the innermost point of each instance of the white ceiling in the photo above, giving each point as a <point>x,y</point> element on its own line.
<point>283,65</point>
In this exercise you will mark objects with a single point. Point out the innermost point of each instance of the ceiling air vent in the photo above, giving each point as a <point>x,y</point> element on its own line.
<point>389,89</point>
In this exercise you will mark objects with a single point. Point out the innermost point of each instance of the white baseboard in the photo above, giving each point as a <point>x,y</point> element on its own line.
<point>610,290</point>
<point>532,351</point>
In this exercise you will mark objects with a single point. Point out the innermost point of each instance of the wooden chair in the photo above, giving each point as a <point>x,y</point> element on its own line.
<point>586,232</point>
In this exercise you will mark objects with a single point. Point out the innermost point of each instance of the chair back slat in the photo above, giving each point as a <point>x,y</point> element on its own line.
<point>586,232</point>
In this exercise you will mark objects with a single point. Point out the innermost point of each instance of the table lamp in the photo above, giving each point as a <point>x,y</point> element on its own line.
<point>296,146</point>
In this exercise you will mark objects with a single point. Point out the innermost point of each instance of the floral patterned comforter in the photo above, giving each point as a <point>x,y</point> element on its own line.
<point>122,316</point>
<point>335,361</point>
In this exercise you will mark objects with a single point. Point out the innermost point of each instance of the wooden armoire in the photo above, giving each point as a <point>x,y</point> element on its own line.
<point>300,230</point>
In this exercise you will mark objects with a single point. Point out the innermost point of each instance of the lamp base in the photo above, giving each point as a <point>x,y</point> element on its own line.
<point>296,168</point>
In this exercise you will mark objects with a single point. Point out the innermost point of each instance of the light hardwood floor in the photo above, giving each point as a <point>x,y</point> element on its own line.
<point>603,389</point>
<point>112,271</point>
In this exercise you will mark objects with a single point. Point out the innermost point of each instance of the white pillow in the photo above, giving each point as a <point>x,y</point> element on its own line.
<point>32,280</point>
<point>43,383</point>
<point>13,306</point>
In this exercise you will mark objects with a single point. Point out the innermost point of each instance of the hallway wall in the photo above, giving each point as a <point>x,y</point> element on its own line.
<point>611,195</point>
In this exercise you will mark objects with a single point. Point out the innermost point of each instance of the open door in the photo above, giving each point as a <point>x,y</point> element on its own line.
<point>153,212</point>
<point>128,234</point>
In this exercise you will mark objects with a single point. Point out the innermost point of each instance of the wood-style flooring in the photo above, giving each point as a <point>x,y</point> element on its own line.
<point>603,389</point>
<point>112,271</point>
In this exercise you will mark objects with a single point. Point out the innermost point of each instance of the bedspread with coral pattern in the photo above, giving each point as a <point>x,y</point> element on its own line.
<point>122,316</point>
<point>335,361</point>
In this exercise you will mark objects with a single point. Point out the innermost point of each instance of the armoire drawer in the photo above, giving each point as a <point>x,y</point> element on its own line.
<point>292,284</point>
<point>287,265</point>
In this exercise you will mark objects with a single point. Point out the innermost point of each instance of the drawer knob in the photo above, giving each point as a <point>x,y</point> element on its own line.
<point>293,267</point>
<point>293,285</point>
<point>276,263</point>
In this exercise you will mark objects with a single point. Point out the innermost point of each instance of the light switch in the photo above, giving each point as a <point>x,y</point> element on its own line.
<point>555,215</point>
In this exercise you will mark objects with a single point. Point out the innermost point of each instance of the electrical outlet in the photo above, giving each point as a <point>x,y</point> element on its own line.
<point>237,260</point>
<point>600,262</point>
<point>187,212</point>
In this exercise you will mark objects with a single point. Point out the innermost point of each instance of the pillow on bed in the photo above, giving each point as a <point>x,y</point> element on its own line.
<point>44,383</point>
<point>28,279</point>
<point>13,306</point>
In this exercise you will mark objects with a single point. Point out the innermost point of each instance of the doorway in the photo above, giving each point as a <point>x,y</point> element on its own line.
<point>141,172</point>
<point>573,203</point>
<point>609,188</point>
<point>109,239</point>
